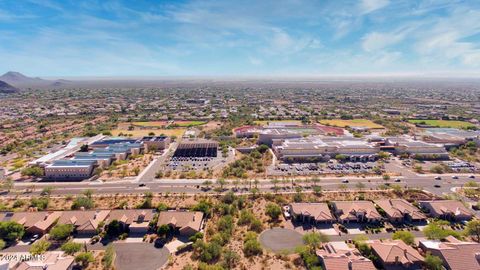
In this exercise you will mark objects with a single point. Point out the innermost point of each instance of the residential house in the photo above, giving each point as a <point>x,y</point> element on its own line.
<point>399,210</point>
<point>396,255</point>
<point>51,260</point>
<point>455,254</point>
<point>185,222</point>
<point>339,256</point>
<point>85,222</point>
<point>311,212</point>
<point>134,220</point>
<point>355,211</point>
<point>36,222</point>
<point>447,209</point>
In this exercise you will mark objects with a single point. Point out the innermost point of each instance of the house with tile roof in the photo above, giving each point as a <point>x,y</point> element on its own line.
<point>136,221</point>
<point>339,256</point>
<point>396,255</point>
<point>355,211</point>
<point>455,254</point>
<point>33,222</point>
<point>52,260</point>
<point>311,212</point>
<point>85,222</point>
<point>37,222</point>
<point>399,210</point>
<point>447,209</point>
<point>183,222</point>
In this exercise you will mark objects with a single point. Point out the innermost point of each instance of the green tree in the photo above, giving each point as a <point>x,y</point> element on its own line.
<point>61,231</point>
<point>438,230</point>
<point>34,171</point>
<point>314,239</point>
<point>11,231</point>
<point>230,258</point>
<point>405,236</point>
<point>39,247</point>
<point>71,247</point>
<point>84,259</point>
<point>40,203</point>
<point>473,229</point>
<point>2,244</point>
<point>83,201</point>
<point>273,211</point>
<point>433,262</point>
<point>251,246</point>
<point>114,229</point>
<point>163,230</point>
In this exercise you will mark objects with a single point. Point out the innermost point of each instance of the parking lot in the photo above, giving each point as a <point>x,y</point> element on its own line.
<point>332,167</point>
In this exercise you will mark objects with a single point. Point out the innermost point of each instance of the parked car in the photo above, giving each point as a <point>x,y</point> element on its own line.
<point>345,181</point>
<point>454,177</point>
<point>436,185</point>
<point>397,180</point>
<point>141,185</point>
<point>471,176</point>
<point>438,178</point>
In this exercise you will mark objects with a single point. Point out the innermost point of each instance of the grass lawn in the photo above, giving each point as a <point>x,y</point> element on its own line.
<point>443,123</point>
<point>150,124</point>
<point>144,132</point>
<point>188,123</point>
<point>351,123</point>
<point>265,122</point>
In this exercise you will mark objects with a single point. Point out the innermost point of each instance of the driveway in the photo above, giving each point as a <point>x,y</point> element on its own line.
<point>278,239</point>
<point>143,255</point>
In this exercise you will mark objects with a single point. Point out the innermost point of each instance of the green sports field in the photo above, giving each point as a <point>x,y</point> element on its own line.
<point>442,123</point>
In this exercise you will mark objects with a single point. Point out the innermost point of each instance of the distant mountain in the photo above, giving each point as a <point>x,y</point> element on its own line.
<point>14,78</point>
<point>19,80</point>
<point>6,88</point>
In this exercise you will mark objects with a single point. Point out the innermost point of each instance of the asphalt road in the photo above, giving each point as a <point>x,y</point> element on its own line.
<point>193,186</point>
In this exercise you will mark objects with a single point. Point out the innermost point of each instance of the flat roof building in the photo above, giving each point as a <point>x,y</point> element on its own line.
<point>316,148</point>
<point>70,170</point>
<point>197,148</point>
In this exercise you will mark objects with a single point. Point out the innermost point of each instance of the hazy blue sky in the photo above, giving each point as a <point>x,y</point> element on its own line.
<point>262,37</point>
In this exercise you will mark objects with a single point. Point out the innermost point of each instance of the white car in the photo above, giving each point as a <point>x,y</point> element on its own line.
<point>454,177</point>
<point>438,178</point>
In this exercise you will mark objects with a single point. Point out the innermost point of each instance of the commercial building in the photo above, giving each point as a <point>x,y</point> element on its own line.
<point>156,143</point>
<point>447,209</point>
<point>311,212</point>
<point>183,222</point>
<point>278,131</point>
<point>81,165</point>
<point>399,210</point>
<point>455,254</point>
<point>396,255</point>
<point>316,148</point>
<point>69,170</point>
<point>417,149</point>
<point>355,211</point>
<point>449,137</point>
<point>73,146</point>
<point>197,148</point>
